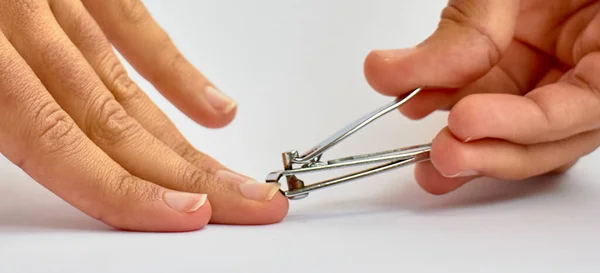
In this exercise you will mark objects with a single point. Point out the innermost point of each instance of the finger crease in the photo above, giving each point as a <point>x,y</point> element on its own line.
<point>495,52</point>
<point>512,80</point>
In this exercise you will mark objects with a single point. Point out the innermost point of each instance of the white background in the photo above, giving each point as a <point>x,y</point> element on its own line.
<point>295,67</point>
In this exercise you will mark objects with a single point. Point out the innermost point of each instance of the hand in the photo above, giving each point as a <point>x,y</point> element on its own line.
<point>520,81</point>
<point>75,122</point>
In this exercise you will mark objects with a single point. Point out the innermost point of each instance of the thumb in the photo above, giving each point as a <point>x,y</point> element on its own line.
<point>470,39</point>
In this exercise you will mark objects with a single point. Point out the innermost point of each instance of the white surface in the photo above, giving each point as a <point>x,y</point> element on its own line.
<point>306,55</point>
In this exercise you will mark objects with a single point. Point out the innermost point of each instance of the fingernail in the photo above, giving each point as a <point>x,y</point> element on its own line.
<point>462,174</point>
<point>232,177</point>
<point>259,191</point>
<point>468,139</point>
<point>219,100</point>
<point>394,54</point>
<point>184,201</point>
<point>250,188</point>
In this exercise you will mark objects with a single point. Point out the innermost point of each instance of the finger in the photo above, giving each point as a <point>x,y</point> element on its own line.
<point>470,39</point>
<point>504,160</point>
<point>149,49</point>
<point>564,168</point>
<point>39,137</point>
<point>232,201</point>
<point>433,182</point>
<point>518,72</point>
<point>430,180</point>
<point>549,113</point>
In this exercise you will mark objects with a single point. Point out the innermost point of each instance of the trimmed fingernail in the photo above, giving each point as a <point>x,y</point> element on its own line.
<point>250,188</point>
<point>259,191</point>
<point>219,100</point>
<point>184,201</point>
<point>463,174</point>
<point>232,177</point>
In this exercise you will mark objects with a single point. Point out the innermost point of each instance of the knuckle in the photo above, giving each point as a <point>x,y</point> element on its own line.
<point>194,157</point>
<point>455,13</point>
<point>111,125</point>
<point>194,176</point>
<point>125,90</point>
<point>189,153</point>
<point>121,192</point>
<point>133,11</point>
<point>199,180</point>
<point>58,131</point>
<point>465,14</point>
<point>462,11</point>
<point>118,81</point>
<point>127,187</point>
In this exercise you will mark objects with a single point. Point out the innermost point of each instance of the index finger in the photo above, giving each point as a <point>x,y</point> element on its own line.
<point>150,50</point>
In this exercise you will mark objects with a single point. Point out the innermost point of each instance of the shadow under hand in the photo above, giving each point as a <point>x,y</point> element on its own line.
<point>28,207</point>
<point>410,197</point>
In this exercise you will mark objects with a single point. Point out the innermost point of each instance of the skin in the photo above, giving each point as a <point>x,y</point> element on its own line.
<point>75,122</point>
<point>520,82</point>
<point>518,78</point>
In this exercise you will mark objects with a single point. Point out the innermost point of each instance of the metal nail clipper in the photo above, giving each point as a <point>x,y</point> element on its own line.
<point>295,163</point>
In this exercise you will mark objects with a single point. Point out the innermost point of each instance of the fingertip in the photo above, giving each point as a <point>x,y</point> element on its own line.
<point>213,120</point>
<point>431,181</point>
<point>427,102</point>
<point>276,210</point>
<point>188,212</point>
<point>214,110</point>
<point>249,212</point>
<point>248,202</point>
<point>386,73</point>
<point>449,156</point>
<point>195,220</point>
<point>269,212</point>
<point>176,212</point>
<point>467,119</point>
